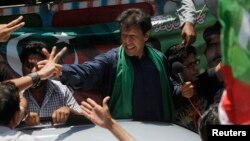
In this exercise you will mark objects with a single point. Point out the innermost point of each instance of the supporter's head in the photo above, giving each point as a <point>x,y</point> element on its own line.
<point>9,105</point>
<point>187,57</point>
<point>209,117</point>
<point>30,55</point>
<point>212,52</point>
<point>135,28</point>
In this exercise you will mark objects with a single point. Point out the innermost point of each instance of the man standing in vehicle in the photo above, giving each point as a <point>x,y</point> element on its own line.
<point>123,73</point>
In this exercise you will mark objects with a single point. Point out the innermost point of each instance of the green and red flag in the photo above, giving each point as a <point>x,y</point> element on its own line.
<point>234,16</point>
<point>83,43</point>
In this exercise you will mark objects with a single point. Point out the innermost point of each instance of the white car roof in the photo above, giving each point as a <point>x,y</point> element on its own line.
<point>142,131</point>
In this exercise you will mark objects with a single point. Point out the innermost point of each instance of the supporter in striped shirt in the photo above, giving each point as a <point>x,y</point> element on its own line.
<point>47,98</point>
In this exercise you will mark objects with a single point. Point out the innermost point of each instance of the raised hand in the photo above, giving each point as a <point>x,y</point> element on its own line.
<point>49,68</point>
<point>6,29</point>
<point>99,115</point>
<point>188,34</point>
<point>46,69</point>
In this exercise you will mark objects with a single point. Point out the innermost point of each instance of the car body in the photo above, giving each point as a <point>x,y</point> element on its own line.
<point>141,131</point>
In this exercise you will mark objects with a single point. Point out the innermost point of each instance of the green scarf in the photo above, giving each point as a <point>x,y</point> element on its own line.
<point>121,100</point>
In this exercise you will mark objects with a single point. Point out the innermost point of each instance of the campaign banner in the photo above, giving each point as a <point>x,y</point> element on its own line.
<point>85,42</point>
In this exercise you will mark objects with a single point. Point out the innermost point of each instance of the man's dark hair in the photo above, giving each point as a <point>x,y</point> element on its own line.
<point>211,30</point>
<point>9,102</point>
<point>209,117</point>
<point>32,47</point>
<point>135,16</point>
<point>178,53</point>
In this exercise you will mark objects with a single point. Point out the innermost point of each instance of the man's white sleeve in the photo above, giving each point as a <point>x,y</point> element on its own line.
<point>186,11</point>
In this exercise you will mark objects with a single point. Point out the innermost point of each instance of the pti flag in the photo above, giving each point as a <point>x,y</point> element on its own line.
<point>234,16</point>
<point>83,43</point>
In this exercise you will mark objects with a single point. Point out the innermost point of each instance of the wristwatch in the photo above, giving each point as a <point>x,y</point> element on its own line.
<point>35,79</point>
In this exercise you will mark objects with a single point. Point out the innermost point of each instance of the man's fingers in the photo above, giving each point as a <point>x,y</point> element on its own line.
<point>184,38</point>
<point>53,52</point>
<point>54,120</point>
<point>91,102</point>
<point>43,62</point>
<point>105,102</point>
<point>60,54</point>
<point>191,39</point>
<point>51,56</point>
<point>14,22</point>
<point>33,119</point>
<point>58,117</point>
<point>61,118</point>
<point>184,42</point>
<point>57,73</point>
<point>86,105</point>
<point>86,111</point>
<point>59,67</point>
<point>186,84</point>
<point>46,53</point>
<point>37,119</point>
<point>13,28</point>
<point>189,92</point>
<point>188,39</point>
